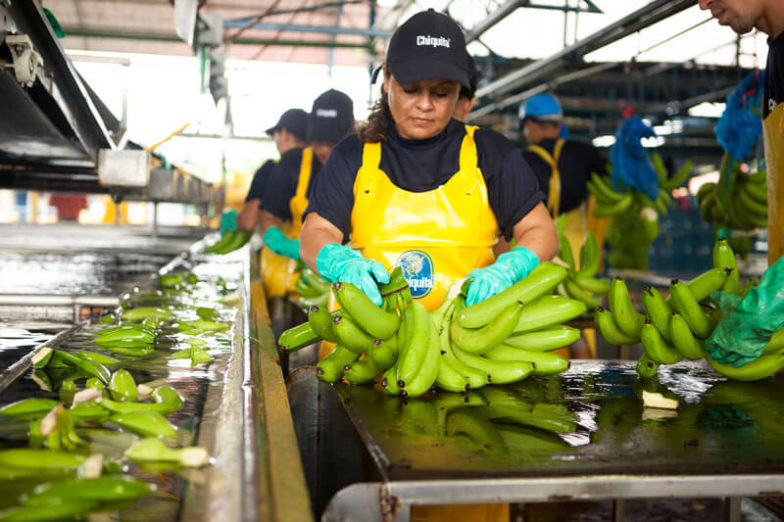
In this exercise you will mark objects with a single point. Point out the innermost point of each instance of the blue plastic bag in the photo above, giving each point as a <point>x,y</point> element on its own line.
<point>630,165</point>
<point>741,123</point>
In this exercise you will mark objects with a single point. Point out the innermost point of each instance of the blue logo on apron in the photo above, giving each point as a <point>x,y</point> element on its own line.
<point>418,271</point>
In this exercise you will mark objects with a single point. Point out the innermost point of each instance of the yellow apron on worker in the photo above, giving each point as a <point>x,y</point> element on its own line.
<point>278,272</point>
<point>437,236</point>
<point>773,130</point>
<point>577,222</point>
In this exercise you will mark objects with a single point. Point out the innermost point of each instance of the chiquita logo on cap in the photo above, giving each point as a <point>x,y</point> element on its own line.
<point>433,41</point>
<point>326,113</point>
<point>418,271</point>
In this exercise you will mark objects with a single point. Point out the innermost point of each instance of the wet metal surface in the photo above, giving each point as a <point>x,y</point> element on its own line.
<point>588,421</point>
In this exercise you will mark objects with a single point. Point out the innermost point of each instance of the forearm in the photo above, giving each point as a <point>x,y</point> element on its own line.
<point>267,220</point>
<point>536,231</point>
<point>316,233</point>
<point>248,217</point>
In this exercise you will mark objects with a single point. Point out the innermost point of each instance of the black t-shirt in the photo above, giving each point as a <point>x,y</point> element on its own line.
<point>774,75</point>
<point>260,181</point>
<point>576,164</point>
<point>424,165</point>
<point>283,183</point>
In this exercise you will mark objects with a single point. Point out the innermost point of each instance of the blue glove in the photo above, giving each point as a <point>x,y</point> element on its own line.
<point>276,240</point>
<point>228,221</point>
<point>340,264</point>
<point>748,323</point>
<point>508,269</point>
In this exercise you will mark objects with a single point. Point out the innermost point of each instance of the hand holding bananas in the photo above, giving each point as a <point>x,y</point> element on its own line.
<point>341,264</point>
<point>747,324</point>
<point>508,269</point>
<point>228,221</point>
<point>276,240</point>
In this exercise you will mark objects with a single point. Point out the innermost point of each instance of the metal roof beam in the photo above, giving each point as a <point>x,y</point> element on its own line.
<point>644,17</point>
<point>493,18</point>
<point>323,29</point>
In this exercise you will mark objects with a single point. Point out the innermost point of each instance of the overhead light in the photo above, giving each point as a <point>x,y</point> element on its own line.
<point>607,140</point>
<point>707,110</point>
<point>650,143</point>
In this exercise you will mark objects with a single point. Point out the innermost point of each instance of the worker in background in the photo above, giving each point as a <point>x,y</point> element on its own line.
<point>290,135</point>
<point>745,328</point>
<point>419,188</point>
<point>467,98</point>
<point>563,167</point>
<point>286,196</point>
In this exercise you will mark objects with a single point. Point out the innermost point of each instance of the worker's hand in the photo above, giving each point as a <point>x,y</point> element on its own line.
<point>228,221</point>
<point>341,264</point>
<point>748,323</point>
<point>508,269</point>
<point>276,240</point>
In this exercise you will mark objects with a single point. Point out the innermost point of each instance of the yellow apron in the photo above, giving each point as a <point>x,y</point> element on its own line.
<point>773,130</point>
<point>579,222</point>
<point>437,236</point>
<point>278,272</point>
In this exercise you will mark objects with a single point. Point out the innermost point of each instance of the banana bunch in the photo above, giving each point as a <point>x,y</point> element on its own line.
<point>675,328</point>
<point>634,217</point>
<point>229,242</point>
<point>580,282</point>
<point>310,288</point>
<point>499,340</point>
<point>747,208</point>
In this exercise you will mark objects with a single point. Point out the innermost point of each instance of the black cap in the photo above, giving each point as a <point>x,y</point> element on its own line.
<point>332,117</point>
<point>293,120</point>
<point>428,45</point>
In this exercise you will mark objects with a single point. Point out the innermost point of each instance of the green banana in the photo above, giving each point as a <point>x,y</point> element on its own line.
<point>750,204</point>
<point>62,358</point>
<point>609,329</point>
<point>298,337</point>
<point>576,292</point>
<point>28,409</point>
<point>41,357</point>
<point>388,381</point>
<point>167,401</point>
<point>679,177</point>
<point>625,316</point>
<point>546,339</point>
<point>143,312</point>
<point>383,353</point>
<point>471,378</point>
<point>125,334</point>
<point>539,282</point>
<point>361,371</point>
<point>97,358</point>
<point>544,363</point>
<point>145,423</point>
<point>123,387</point>
<point>590,257</point>
<point>62,509</point>
<point>330,368</point>
<point>757,191</point>
<point>646,367</point>
<point>547,311</point>
<point>565,253</point>
<point>763,366</point>
<point>685,341</point>
<point>658,311</point>
<point>350,334</point>
<point>724,257</point>
<point>377,322</point>
<point>656,347</point>
<point>483,339</point>
<point>708,282</point>
<point>595,286</point>
<point>154,450</point>
<point>418,344</point>
<point>498,372</point>
<point>616,208</point>
<point>776,342</point>
<point>605,191</point>
<point>100,489</point>
<point>88,411</point>
<point>321,321</point>
<point>40,459</point>
<point>683,301</point>
<point>427,373</point>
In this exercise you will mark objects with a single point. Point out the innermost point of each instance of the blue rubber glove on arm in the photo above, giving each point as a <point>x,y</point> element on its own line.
<point>276,240</point>
<point>228,221</point>
<point>508,269</point>
<point>341,264</point>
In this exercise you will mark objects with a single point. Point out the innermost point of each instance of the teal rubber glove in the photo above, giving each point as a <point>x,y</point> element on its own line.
<point>748,323</point>
<point>508,269</point>
<point>276,240</point>
<point>228,221</point>
<point>341,264</point>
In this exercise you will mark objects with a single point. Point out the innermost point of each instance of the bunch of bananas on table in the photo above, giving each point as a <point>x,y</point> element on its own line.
<point>747,204</point>
<point>634,217</point>
<point>310,289</point>
<point>581,282</point>
<point>676,327</point>
<point>229,242</point>
<point>456,347</point>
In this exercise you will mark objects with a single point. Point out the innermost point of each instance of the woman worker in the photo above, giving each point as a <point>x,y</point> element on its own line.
<point>418,188</point>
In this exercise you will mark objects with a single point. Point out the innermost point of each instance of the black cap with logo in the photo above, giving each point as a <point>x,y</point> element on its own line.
<point>293,120</point>
<point>331,118</point>
<point>428,45</point>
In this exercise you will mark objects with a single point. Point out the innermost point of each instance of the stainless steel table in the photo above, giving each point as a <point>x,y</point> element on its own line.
<point>594,441</point>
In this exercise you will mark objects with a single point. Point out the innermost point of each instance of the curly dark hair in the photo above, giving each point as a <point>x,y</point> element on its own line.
<point>379,122</point>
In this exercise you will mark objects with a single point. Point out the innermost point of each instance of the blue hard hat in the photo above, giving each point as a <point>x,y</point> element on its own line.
<point>541,107</point>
